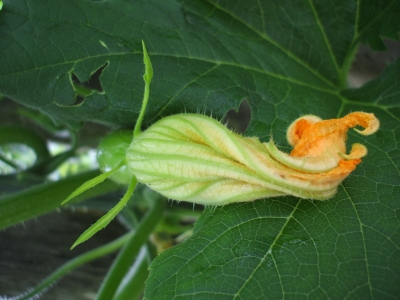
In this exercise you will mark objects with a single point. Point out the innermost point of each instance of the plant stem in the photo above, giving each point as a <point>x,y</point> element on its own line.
<point>128,254</point>
<point>76,262</point>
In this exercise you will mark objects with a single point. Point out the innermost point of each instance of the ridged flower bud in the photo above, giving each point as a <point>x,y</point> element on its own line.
<point>195,158</point>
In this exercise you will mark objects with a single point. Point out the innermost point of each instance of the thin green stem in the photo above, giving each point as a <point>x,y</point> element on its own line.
<point>128,254</point>
<point>133,284</point>
<point>148,75</point>
<point>138,125</point>
<point>76,262</point>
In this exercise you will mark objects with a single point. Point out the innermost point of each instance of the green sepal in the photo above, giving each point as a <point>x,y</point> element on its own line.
<point>108,217</point>
<point>148,67</point>
<point>92,182</point>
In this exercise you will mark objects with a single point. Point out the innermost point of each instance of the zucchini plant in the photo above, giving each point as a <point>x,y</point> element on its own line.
<point>289,61</point>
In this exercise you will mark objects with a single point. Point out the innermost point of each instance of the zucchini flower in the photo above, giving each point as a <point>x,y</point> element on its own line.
<point>191,157</point>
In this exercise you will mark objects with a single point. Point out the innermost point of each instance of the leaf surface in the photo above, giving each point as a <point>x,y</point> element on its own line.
<point>287,59</point>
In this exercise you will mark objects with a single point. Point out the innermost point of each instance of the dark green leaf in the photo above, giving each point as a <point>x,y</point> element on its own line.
<point>206,55</point>
<point>279,248</point>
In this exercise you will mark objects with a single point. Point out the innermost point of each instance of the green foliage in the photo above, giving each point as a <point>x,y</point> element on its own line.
<point>40,199</point>
<point>286,59</point>
<point>108,217</point>
<point>76,262</point>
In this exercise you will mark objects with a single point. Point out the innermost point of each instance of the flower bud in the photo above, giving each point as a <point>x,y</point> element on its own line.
<point>195,158</point>
<point>111,151</point>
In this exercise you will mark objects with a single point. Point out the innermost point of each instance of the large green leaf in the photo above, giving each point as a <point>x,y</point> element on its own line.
<point>207,55</point>
<point>286,58</point>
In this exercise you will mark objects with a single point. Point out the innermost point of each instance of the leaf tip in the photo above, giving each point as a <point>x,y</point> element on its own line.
<point>148,75</point>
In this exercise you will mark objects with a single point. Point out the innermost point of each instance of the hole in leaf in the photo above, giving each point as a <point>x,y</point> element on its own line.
<point>87,88</point>
<point>369,64</point>
<point>90,85</point>
<point>238,120</point>
<point>79,100</point>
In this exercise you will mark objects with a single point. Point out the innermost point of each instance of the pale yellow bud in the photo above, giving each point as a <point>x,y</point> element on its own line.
<point>195,158</point>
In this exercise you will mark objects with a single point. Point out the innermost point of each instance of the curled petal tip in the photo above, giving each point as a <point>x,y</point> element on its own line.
<point>357,151</point>
<point>372,125</point>
<point>297,127</point>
